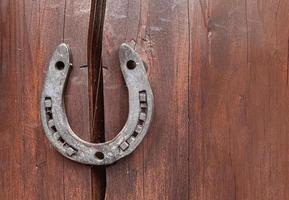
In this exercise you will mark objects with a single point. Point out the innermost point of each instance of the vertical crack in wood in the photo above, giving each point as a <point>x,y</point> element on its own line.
<point>95,88</point>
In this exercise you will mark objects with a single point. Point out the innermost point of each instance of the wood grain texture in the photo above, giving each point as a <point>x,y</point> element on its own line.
<point>159,31</point>
<point>239,126</point>
<point>219,71</point>
<point>30,31</point>
<point>77,177</point>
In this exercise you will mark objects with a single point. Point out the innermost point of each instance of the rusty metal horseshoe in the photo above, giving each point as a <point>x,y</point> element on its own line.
<point>56,125</point>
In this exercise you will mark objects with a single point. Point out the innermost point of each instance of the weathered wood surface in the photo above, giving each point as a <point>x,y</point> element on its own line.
<point>160,32</point>
<point>30,30</point>
<point>219,70</point>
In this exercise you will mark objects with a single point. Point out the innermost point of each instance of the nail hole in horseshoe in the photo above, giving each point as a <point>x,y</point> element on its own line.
<point>131,64</point>
<point>59,65</point>
<point>99,155</point>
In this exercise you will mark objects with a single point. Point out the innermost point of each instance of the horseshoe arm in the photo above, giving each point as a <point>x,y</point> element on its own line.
<point>56,125</point>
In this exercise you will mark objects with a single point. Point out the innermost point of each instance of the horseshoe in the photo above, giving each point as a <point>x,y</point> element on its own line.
<point>56,125</point>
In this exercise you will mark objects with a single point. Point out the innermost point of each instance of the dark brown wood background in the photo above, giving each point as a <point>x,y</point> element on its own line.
<point>219,72</point>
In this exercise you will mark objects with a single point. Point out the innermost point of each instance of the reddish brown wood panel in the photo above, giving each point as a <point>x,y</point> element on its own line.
<point>159,31</point>
<point>219,71</point>
<point>239,100</point>
<point>30,31</point>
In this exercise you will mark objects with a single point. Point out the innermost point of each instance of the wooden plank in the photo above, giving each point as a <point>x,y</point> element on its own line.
<point>77,177</point>
<point>27,163</point>
<point>239,100</point>
<point>30,31</point>
<point>219,74</point>
<point>159,31</point>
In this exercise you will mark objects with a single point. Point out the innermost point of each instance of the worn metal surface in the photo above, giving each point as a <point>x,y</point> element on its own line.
<point>56,125</point>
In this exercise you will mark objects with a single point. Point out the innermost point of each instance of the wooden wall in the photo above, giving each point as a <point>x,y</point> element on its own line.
<point>219,72</point>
